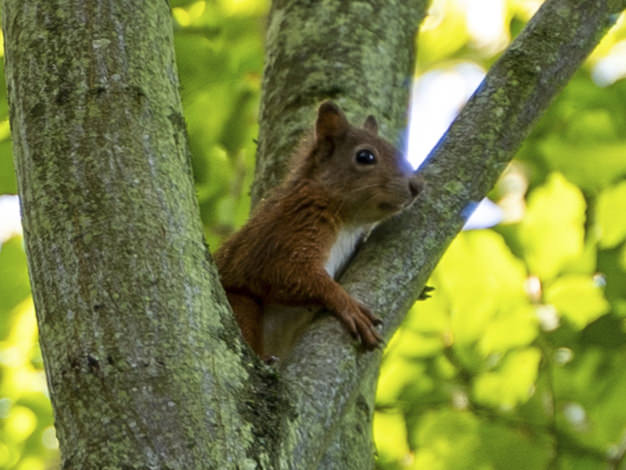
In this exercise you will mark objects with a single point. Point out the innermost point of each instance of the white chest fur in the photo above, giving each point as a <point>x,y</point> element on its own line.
<point>343,248</point>
<point>282,324</point>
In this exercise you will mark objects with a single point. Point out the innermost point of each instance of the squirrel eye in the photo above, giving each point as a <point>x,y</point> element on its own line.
<point>365,157</point>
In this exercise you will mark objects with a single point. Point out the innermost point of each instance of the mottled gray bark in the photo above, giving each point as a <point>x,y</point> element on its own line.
<point>351,446</point>
<point>138,345</point>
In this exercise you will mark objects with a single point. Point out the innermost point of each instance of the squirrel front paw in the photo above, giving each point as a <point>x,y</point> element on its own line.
<point>361,323</point>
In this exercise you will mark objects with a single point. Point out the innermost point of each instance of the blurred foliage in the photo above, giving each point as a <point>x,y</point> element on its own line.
<point>219,48</point>
<point>516,361</point>
<point>27,439</point>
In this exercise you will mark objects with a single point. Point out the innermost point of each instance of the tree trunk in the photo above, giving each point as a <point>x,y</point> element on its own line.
<point>134,329</point>
<point>144,363</point>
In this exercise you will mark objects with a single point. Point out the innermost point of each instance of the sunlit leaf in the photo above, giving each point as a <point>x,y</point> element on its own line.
<point>580,462</point>
<point>443,34</point>
<point>14,284</point>
<point>577,298</point>
<point>586,261</point>
<point>31,463</point>
<point>512,383</point>
<point>510,329</point>
<point>448,438</point>
<point>611,215</point>
<point>582,135</point>
<point>431,315</point>
<point>593,386</point>
<point>552,233</point>
<point>608,415</point>
<point>415,345</point>
<point>395,375</point>
<point>591,165</point>
<point>20,423</point>
<point>480,276</point>
<point>8,181</point>
<point>390,436</point>
<point>457,440</point>
<point>427,458</point>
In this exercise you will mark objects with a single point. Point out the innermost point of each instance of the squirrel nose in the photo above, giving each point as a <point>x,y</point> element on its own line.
<point>416,184</point>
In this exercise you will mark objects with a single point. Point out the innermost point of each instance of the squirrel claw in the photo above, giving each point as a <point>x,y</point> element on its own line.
<point>426,293</point>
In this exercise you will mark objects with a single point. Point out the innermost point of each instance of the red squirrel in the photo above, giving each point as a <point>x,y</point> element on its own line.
<point>340,184</point>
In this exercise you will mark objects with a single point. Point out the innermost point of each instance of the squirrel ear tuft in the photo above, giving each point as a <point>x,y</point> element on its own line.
<point>331,122</point>
<point>371,125</point>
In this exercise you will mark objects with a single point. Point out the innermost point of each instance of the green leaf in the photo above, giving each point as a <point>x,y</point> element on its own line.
<point>552,232</point>
<point>414,345</point>
<point>510,329</point>
<point>458,440</point>
<point>432,315</point>
<point>578,299</point>
<point>8,181</point>
<point>480,277</point>
<point>591,165</point>
<point>396,374</point>
<point>14,283</point>
<point>512,383</point>
<point>448,38</point>
<point>447,440</point>
<point>390,436</point>
<point>581,135</point>
<point>611,215</point>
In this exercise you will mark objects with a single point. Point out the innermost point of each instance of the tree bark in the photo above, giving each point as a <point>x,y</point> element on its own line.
<point>137,339</point>
<point>144,363</point>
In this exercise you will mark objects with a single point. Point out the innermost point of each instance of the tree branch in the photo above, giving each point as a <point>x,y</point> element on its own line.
<point>391,269</point>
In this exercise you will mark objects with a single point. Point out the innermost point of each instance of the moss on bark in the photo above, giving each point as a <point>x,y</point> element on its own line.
<point>135,333</point>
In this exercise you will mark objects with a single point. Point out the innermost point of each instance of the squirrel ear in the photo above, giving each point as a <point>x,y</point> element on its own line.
<point>371,125</point>
<point>331,122</point>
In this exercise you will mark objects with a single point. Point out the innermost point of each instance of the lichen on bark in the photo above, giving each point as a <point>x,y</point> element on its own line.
<point>137,339</point>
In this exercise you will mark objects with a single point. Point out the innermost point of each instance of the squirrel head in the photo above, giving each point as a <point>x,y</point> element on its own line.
<point>365,175</point>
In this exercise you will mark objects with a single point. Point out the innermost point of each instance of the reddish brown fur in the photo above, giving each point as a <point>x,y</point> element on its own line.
<point>279,256</point>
